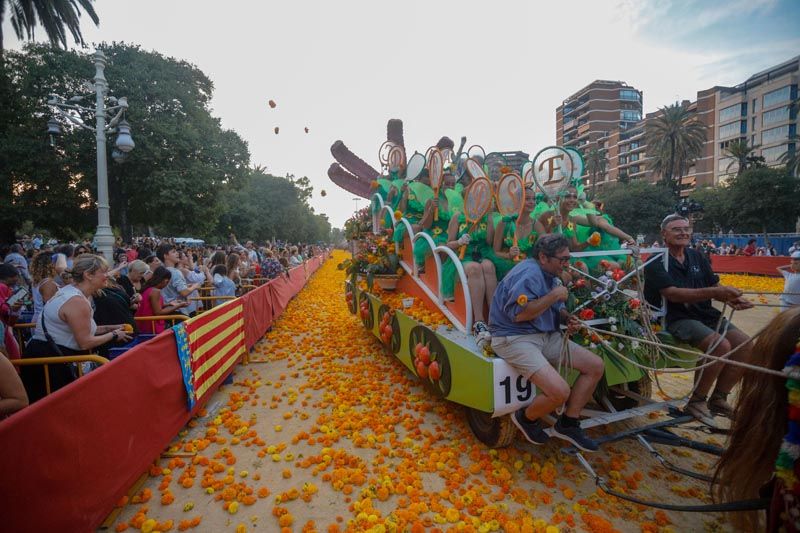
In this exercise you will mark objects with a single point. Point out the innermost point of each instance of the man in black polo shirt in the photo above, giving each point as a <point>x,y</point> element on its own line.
<point>689,285</point>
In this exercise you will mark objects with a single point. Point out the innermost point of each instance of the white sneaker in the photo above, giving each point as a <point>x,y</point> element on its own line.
<point>482,335</point>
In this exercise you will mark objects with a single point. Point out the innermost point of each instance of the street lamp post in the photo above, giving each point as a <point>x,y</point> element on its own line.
<point>73,111</point>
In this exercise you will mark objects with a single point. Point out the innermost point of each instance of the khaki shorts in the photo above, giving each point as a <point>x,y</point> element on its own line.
<point>530,353</point>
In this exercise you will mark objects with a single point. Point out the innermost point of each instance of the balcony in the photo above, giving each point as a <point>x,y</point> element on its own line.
<point>571,124</point>
<point>583,129</point>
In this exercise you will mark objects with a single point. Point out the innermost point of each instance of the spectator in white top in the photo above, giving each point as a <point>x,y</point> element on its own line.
<point>196,275</point>
<point>295,259</point>
<point>177,289</point>
<point>791,282</point>
<point>794,248</point>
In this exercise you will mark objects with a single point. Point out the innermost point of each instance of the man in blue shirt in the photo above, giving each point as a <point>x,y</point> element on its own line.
<point>524,319</point>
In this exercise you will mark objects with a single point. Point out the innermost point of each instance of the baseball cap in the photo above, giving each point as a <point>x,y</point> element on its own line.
<point>795,255</point>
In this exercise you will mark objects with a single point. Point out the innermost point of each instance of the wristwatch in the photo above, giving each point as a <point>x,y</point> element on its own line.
<point>114,336</point>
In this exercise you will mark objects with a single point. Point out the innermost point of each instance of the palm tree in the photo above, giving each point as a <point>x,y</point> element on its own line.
<point>675,139</point>
<point>57,17</point>
<point>596,165</point>
<point>741,154</point>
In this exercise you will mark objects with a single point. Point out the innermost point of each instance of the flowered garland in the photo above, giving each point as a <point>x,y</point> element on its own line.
<point>790,447</point>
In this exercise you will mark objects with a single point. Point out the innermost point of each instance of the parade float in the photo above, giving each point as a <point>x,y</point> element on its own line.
<point>430,331</point>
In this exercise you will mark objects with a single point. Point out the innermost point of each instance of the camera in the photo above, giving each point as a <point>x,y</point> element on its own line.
<point>689,208</point>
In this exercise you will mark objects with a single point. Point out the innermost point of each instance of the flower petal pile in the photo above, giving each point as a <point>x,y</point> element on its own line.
<point>325,431</point>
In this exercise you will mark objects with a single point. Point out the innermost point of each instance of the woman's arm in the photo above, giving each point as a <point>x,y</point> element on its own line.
<point>499,236</point>
<point>158,309</point>
<point>601,223</point>
<point>12,393</point>
<point>77,313</point>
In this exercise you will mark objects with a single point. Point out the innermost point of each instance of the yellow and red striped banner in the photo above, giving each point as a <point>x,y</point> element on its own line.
<point>209,345</point>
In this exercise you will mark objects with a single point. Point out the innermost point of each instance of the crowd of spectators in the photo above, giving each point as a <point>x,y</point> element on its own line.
<point>81,302</point>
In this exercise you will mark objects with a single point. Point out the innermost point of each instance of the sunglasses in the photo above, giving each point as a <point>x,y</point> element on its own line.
<point>564,259</point>
<point>571,196</point>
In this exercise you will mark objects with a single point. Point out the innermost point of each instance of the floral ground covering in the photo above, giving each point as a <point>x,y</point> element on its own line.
<point>746,282</point>
<point>327,432</point>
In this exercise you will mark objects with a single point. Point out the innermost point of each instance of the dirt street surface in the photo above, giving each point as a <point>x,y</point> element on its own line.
<point>325,431</point>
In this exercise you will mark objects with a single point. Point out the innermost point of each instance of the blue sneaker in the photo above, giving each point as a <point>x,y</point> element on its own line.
<point>532,430</point>
<point>574,435</point>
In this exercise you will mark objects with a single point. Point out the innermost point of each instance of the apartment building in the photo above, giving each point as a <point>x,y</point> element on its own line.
<point>599,108</point>
<point>757,110</point>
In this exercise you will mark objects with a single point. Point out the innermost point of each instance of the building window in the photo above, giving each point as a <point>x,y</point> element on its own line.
<point>755,105</point>
<point>771,155</point>
<point>729,130</point>
<point>776,115</point>
<point>628,94</point>
<point>623,159</point>
<point>634,157</point>
<point>777,96</point>
<point>634,145</point>
<point>775,134</point>
<point>629,115</point>
<point>730,113</point>
<point>724,164</point>
<point>634,169</point>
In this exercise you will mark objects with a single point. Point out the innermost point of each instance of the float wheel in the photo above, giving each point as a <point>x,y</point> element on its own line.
<point>496,432</point>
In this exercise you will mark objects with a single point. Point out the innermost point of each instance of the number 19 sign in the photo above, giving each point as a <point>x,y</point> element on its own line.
<point>511,389</point>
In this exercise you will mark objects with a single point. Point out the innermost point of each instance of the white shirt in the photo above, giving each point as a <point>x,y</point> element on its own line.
<point>792,285</point>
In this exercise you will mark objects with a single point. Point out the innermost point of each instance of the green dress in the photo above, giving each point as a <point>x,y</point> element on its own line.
<point>502,265</point>
<point>607,241</point>
<point>477,249</point>
<point>418,196</point>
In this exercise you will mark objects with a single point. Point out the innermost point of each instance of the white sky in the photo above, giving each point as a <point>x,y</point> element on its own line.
<point>493,71</point>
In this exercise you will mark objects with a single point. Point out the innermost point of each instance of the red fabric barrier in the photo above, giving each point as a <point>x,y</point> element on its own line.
<point>258,314</point>
<point>740,264</point>
<point>67,459</point>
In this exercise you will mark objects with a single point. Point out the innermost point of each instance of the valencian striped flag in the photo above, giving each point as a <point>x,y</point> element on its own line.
<point>208,346</point>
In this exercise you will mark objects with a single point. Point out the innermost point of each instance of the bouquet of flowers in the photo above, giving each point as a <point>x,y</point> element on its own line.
<point>358,226</point>
<point>376,257</point>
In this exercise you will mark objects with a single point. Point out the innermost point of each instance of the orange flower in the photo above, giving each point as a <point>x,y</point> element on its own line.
<point>522,300</point>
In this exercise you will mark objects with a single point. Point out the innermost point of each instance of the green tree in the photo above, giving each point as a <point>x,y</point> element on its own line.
<point>765,200</point>
<point>742,155</point>
<point>675,140</point>
<point>639,206</point>
<point>268,207</point>
<point>56,17</point>
<point>596,166</point>
<point>172,180</point>
<point>718,212</point>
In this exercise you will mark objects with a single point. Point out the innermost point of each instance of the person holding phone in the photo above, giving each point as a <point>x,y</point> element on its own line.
<point>66,326</point>
<point>152,303</point>
<point>10,305</point>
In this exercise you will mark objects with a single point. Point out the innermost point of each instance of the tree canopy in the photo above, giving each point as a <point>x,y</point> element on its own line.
<point>639,206</point>
<point>184,174</point>
<point>675,140</point>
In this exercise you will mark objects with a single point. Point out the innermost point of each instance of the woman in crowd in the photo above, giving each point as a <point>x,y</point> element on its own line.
<point>194,274</point>
<point>271,268</point>
<point>766,432</point>
<point>43,272</point>
<point>294,258</point>
<point>112,305</point>
<point>133,283</point>
<point>9,278</point>
<point>66,326</point>
<point>152,303</point>
<point>224,284</point>
<point>232,264</point>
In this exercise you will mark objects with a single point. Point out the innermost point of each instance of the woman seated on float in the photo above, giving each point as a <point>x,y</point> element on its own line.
<point>568,220</point>
<point>478,267</point>
<point>510,230</point>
